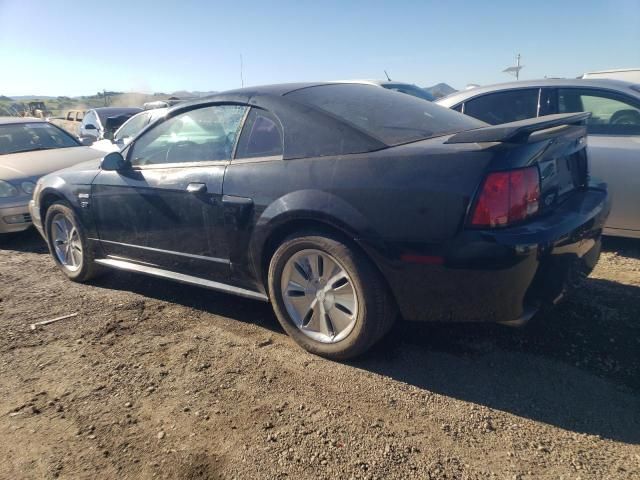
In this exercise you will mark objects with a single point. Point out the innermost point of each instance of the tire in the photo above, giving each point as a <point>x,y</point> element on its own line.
<point>362,289</point>
<point>79,265</point>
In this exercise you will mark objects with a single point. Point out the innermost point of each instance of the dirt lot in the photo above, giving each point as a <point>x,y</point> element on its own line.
<point>155,379</point>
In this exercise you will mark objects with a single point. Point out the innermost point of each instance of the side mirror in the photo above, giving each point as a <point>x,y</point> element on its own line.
<point>90,126</point>
<point>113,161</point>
<point>87,141</point>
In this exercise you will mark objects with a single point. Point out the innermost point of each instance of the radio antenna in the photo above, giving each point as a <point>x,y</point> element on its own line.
<point>387,75</point>
<point>241,76</point>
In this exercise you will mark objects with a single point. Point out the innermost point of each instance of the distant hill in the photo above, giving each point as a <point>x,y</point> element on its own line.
<point>32,97</point>
<point>440,90</point>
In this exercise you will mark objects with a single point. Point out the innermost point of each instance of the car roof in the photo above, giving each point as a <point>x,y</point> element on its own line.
<point>11,120</point>
<point>615,70</point>
<point>307,131</point>
<point>604,83</point>
<point>116,109</point>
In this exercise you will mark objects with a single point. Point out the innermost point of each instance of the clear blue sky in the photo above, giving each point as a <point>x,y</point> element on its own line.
<point>63,47</point>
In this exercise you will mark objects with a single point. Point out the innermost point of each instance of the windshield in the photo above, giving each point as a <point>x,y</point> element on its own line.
<point>391,117</point>
<point>27,137</point>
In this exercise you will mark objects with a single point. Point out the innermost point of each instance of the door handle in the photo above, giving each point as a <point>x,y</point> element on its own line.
<point>196,188</point>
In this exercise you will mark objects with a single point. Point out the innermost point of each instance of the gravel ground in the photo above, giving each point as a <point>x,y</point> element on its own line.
<point>155,379</point>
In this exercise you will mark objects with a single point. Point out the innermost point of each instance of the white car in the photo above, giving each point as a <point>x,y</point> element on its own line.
<point>129,130</point>
<point>100,123</point>
<point>29,149</point>
<point>626,74</point>
<point>613,129</point>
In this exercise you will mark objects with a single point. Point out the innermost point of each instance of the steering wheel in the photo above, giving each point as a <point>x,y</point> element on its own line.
<point>625,117</point>
<point>177,146</point>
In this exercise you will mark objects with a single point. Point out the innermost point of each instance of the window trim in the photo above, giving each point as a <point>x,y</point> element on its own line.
<point>164,166</point>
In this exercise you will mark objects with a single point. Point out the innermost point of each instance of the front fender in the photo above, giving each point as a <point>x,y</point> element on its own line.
<point>78,196</point>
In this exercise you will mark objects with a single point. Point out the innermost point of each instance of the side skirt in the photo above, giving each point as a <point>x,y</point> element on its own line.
<point>180,277</point>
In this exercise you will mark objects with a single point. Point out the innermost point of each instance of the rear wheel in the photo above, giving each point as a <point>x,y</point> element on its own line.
<point>68,243</point>
<point>328,296</point>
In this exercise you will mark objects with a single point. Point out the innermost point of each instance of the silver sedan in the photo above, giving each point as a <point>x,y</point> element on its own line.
<point>614,129</point>
<point>29,149</point>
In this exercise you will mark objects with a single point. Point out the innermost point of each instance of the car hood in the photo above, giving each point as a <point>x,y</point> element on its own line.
<point>15,166</point>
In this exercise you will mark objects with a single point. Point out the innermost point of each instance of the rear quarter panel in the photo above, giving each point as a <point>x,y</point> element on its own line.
<point>416,193</point>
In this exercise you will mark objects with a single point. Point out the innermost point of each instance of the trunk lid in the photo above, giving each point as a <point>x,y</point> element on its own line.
<point>556,146</point>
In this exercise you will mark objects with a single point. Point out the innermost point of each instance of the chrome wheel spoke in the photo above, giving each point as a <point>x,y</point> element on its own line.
<point>319,296</point>
<point>301,305</point>
<point>312,320</point>
<point>66,242</point>
<point>340,319</point>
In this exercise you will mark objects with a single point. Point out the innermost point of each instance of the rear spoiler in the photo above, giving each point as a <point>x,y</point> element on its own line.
<point>517,132</point>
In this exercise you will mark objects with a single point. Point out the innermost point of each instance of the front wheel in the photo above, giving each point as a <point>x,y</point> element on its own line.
<point>329,297</point>
<point>68,243</point>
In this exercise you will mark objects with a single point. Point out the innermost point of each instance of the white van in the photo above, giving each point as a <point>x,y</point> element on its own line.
<point>626,74</point>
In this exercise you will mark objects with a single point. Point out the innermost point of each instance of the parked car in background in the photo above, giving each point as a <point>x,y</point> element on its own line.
<point>625,74</point>
<point>101,123</point>
<point>70,121</point>
<point>401,87</point>
<point>129,130</point>
<point>340,203</point>
<point>614,129</point>
<point>29,149</point>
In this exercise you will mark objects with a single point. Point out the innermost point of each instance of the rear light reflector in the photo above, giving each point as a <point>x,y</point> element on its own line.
<point>507,197</point>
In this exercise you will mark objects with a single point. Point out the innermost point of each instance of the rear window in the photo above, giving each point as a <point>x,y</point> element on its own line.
<point>409,90</point>
<point>391,117</point>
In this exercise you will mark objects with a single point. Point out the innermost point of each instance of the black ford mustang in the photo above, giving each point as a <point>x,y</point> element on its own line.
<point>343,204</point>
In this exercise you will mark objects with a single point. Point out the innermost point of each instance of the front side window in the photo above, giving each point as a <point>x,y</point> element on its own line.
<point>611,114</point>
<point>27,137</point>
<point>390,117</point>
<point>132,127</point>
<point>200,135</point>
<point>261,136</point>
<point>504,107</point>
<point>79,116</point>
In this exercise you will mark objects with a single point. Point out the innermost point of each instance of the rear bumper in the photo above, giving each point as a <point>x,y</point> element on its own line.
<point>504,275</point>
<point>14,219</point>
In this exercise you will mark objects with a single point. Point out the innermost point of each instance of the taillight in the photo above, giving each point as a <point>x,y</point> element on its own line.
<point>507,197</point>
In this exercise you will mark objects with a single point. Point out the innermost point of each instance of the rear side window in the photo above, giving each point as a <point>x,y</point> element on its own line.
<point>611,114</point>
<point>390,117</point>
<point>504,107</point>
<point>261,136</point>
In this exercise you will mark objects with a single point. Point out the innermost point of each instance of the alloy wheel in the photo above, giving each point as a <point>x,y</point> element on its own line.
<point>319,295</point>
<point>66,242</point>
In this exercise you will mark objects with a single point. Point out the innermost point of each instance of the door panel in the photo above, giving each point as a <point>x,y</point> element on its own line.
<point>613,147</point>
<point>616,160</point>
<point>165,208</point>
<point>149,215</point>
